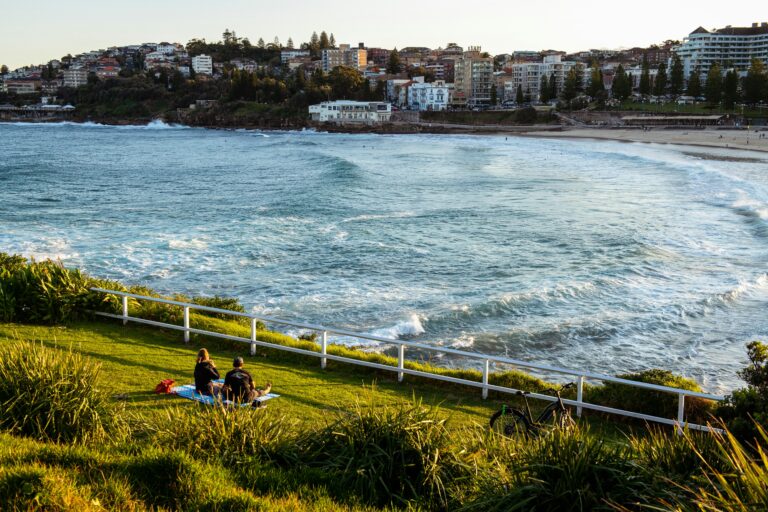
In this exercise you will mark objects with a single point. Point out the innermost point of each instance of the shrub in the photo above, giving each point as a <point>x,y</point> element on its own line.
<point>566,470</point>
<point>747,408</point>
<point>52,395</point>
<point>228,303</point>
<point>47,292</point>
<point>222,433</point>
<point>656,403</point>
<point>32,487</point>
<point>384,455</point>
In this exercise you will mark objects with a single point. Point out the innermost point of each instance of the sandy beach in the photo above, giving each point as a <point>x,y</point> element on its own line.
<point>723,139</point>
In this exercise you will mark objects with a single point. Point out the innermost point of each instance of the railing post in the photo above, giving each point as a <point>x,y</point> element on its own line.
<point>680,413</point>
<point>400,362</point>
<point>486,372</point>
<point>324,349</point>
<point>579,394</point>
<point>186,324</point>
<point>125,310</point>
<point>253,336</point>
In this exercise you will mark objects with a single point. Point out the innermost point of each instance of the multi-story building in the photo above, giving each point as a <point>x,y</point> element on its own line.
<point>429,96</point>
<point>378,56</point>
<point>527,76</point>
<point>730,47</point>
<point>202,64</point>
<point>22,86</point>
<point>75,77</point>
<point>473,79</point>
<point>344,56</point>
<point>345,111</point>
<point>288,54</point>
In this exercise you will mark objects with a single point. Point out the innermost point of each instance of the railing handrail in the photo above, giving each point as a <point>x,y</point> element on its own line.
<point>392,341</point>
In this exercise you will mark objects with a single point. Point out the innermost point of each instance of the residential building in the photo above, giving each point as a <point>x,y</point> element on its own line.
<point>730,47</point>
<point>527,76</point>
<point>202,64</point>
<point>345,56</point>
<point>288,54</point>
<point>429,96</point>
<point>393,87</point>
<point>378,56</point>
<point>22,86</point>
<point>345,111</point>
<point>75,77</point>
<point>473,78</point>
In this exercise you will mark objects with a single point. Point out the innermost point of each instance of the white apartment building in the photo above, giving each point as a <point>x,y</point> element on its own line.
<point>527,76</point>
<point>287,55</point>
<point>344,56</point>
<point>345,111</point>
<point>730,47</point>
<point>75,77</point>
<point>473,79</point>
<point>429,96</point>
<point>166,48</point>
<point>202,64</point>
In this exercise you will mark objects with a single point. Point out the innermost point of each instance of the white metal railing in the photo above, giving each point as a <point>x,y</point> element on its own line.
<point>487,360</point>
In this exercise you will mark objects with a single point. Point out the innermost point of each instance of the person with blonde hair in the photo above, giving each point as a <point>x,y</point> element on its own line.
<point>205,374</point>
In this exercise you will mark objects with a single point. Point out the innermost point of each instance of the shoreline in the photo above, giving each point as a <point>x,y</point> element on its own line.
<point>714,138</point>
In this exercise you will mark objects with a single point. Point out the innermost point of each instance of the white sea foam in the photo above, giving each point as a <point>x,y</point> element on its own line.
<point>383,216</point>
<point>410,327</point>
<point>194,243</point>
<point>751,205</point>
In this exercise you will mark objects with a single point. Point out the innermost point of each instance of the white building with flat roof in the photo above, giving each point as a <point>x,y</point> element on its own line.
<point>730,47</point>
<point>527,76</point>
<point>75,77</point>
<point>202,64</point>
<point>346,111</point>
<point>429,96</point>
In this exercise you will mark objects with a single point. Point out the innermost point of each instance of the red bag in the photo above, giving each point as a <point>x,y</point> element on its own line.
<point>164,387</point>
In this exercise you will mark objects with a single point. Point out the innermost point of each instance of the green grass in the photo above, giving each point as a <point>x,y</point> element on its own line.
<point>136,358</point>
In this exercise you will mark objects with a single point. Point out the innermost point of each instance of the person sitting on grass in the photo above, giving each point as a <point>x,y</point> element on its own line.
<point>205,374</point>
<point>238,384</point>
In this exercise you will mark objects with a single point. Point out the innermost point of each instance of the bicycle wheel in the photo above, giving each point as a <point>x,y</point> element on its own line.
<point>554,417</point>
<point>509,422</point>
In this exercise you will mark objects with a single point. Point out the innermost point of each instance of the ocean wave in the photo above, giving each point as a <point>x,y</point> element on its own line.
<point>194,243</point>
<point>750,207</point>
<point>405,329</point>
<point>381,216</point>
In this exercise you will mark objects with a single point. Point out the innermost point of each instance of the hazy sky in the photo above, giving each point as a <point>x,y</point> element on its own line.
<point>50,29</point>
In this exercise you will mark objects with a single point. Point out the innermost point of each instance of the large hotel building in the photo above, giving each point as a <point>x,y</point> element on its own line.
<point>730,47</point>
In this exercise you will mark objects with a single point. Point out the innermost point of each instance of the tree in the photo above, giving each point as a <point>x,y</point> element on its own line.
<point>660,85</point>
<point>345,82</point>
<point>731,89</point>
<point>260,43</point>
<point>519,98</point>
<point>289,44</point>
<point>332,41</point>
<point>676,77</point>
<point>694,84</point>
<point>573,83</point>
<point>713,89</point>
<point>324,41</point>
<point>393,66</point>
<point>314,42</point>
<point>553,86</point>
<point>494,97</point>
<point>3,70</point>
<point>622,86</point>
<point>756,83</point>
<point>595,86</point>
<point>544,89</point>
<point>645,78</point>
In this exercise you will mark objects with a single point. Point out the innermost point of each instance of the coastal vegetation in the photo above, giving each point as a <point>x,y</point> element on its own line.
<point>83,430</point>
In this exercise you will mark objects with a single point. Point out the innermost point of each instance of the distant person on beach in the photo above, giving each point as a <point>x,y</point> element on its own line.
<point>205,374</point>
<point>238,384</point>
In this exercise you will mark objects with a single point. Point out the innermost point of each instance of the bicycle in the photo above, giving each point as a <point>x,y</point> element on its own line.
<point>509,420</point>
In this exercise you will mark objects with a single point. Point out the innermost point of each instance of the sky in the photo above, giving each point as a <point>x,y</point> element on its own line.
<point>53,28</point>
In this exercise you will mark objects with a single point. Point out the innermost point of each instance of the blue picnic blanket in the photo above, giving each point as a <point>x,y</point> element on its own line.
<point>188,391</point>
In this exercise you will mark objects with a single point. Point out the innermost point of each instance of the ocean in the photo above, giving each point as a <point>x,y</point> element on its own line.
<point>597,255</point>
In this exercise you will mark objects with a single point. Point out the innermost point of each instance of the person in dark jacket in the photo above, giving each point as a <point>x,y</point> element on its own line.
<point>205,374</point>
<point>238,384</point>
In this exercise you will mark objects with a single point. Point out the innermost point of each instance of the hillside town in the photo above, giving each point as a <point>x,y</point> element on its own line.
<point>355,83</point>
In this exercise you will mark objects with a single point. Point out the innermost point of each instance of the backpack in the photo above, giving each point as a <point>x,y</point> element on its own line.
<point>164,386</point>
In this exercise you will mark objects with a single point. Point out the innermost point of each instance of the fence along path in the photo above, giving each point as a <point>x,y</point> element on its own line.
<point>487,360</point>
